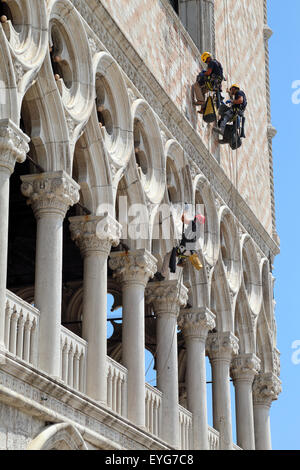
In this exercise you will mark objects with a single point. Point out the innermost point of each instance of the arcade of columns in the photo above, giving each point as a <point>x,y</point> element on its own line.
<point>231,318</point>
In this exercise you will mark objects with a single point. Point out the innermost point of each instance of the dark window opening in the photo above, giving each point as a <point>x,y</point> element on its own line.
<point>174,4</point>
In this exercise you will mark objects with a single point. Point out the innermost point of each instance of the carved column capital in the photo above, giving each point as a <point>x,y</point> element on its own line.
<point>133,266</point>
<point>13,145</point>
<point>245,367</point>
<point>196,323</point>
<point>50,192</point>
<point>266,388</point>
<point>167,296</point>
<point>222,345</point>
<point>94,234</point>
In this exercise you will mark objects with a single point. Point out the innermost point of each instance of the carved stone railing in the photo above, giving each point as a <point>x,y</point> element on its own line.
<point>21,328</point>
<point>153,400</point>
<point>185,428</point>
<point>213,439</point>
<point>236,447</point>
<point>116,387</point>
<point>73,359</point>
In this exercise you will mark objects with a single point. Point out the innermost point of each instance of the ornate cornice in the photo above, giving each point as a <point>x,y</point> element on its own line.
<point>13,145</point>
<point>166,296</point>
<point>133,266</point>
<point>94,234</point>
<point>266,388</point>
<point>222,345</point>
<point>245,367</point>
<point>196,323</point>
<point>50,192</point>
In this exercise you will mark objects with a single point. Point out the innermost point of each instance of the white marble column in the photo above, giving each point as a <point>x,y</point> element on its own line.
<point>94,236</point>
<point>133,270</point>
<point>195,324</point>
<point>13,148</point>
<point>266,388</point>
<point>221,347</point>
<point>244,368</point>
<point>51,195</point>
<point>167,297</point>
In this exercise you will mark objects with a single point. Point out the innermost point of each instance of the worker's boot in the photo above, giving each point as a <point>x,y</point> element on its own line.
<point>219,130</point>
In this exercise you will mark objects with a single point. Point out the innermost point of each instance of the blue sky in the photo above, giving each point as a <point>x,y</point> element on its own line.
<point>284,20</point>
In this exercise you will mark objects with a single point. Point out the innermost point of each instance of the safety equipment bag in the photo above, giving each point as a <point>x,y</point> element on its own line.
<point>209,114</point>
<point>195,261</point>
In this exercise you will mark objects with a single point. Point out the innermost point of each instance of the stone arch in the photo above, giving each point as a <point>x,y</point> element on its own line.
<point>203,196</point>
<point>114,112</point>
<point>91,167</point>
<point>61,436</point>
<point>251,276</point>
<point>230,248</point>
<point>220,299</point>
<point>243,325</point>
<point>76,85</point>
<point>267,290</point>
<point>264,343</point>
<point>23,50</point>
<point>148,152</point>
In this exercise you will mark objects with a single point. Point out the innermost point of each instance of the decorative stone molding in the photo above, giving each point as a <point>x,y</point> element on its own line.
<point>133,266</point>
<point>13,145</point>
<point>276,362</point>
<point>267,32</point>
<point>196,323</point>
<point>50,192</point>
<point>61,436</point>
<point>245,367</point>
<point>271,132</point>
<point>266,388</point>
<point>222,345</point>
<point>95,233</point>
<point>167,296</point>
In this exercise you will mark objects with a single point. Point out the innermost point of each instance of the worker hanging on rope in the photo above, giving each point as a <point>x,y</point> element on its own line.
<point>186,249</point>
<point>208,80</point>
<point>233,110</point>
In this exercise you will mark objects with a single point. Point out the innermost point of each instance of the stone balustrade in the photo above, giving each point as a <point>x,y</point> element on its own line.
<point>116,387</point>
<point>73,359</point>
<point>213,439</point>
<point>21,328</point>
<point>153,400</point>
<point>185,428</point>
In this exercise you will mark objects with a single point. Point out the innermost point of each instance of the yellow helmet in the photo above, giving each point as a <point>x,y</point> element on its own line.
<point>235,86</point>
<point>205,56</point>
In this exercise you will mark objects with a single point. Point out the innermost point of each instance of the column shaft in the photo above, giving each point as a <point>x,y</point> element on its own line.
<point>262,427</point>
<point>222,402</point>
<point>266,388</point>
<point>222,346</point>
<point>4,210</point>
<point>94,324</point>
<point>13,148</point>
<point>196,391</point>
<point>48,290</point>
<point>244,415</point>
<point>133,349</point>
<point>167,297</point>
<point>244,367</point>
<point>50,194</point>
<point>133,269</point>
<point>167,374</point>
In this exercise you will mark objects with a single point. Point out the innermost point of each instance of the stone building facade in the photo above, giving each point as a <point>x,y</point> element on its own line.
<point>96,122</point>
